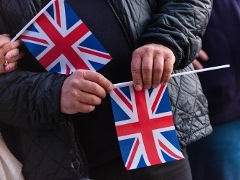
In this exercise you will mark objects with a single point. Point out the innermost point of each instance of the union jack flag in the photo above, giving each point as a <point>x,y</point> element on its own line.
<point>144,125</point>
<point>62,43</point>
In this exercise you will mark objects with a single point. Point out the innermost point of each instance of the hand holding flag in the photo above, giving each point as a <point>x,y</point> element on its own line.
<point>61,42</point>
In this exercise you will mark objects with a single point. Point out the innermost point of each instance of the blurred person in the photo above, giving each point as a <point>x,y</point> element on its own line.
<point>62,125</point>
<point>216,157</point>
<point>10,167</point>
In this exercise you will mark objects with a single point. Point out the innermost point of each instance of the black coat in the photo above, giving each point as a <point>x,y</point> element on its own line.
<point>34,128</point>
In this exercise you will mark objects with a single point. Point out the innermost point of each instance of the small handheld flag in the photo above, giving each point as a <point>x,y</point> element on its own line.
<point>62,43</point>
<point>144,125</point>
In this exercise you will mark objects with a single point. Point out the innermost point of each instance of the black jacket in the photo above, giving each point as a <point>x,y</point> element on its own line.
<point>31,121</point>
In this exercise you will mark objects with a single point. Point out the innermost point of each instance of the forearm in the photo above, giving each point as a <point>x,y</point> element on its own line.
<point>31,100</point>
<point>180,25</point>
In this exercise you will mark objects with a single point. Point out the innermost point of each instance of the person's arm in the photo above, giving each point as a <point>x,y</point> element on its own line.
<point>28,100</point>
<point>172,40</point>
<point>43,100</point>
<point>31,100</point>
<point>180,25</point>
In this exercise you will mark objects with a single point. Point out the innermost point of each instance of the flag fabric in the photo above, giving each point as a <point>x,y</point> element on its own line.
<point>62,43</point>
<point>144,125</point>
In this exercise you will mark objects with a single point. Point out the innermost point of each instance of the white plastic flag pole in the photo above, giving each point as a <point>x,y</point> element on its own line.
<point>201,70</point>
<point>32,21</point>
<point>129,83</point>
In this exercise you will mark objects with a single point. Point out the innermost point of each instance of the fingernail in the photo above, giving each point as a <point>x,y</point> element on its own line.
<point>8,68</point>
<point>8,56</point>
<point>155,85</point>
<point>138,87</point>
<point>111,87</point>
<point>163,83</point>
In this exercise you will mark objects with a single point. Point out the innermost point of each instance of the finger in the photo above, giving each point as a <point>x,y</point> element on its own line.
<point>197,64</point>
<point>98,79</point>
<point>18,57</point>
<point>12,53</point>
<point>147,67</point>
<point>10,66</point>
<point>136,70</point>
<point>203,55</point>
<point>87,98</point>
<point>85,108</point>
<point>11,45</point>
<point>157,70</point>
<point>167,70</point>
<point>18,42</point>
<point>78,106</point>
<point>4,40</point>
<point>92,88</point>
<point>91,82</point>
<point>4,35</point>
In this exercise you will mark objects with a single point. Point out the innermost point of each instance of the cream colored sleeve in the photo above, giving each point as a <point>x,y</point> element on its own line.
<point>10,167</point>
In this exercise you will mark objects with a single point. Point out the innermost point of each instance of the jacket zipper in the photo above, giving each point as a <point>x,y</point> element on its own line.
<point>124,30</point>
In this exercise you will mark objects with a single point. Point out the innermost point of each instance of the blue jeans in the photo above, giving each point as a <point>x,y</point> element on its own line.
<point>217,156</point>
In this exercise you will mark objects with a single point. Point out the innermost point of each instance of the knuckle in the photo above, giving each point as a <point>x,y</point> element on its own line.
<point>157,70</point>
<point>146,68</point>
<point>135,70</point>
<point>84,73</point>
<point>79,72</point>
<point>74,105</point>
<point>74,94</point>
<point>94,87</point>
<point>136,57</point>
<point>166,77</point>
<point>136,52</point>
<point>91,100</point>
<point>11,46</point>
<point>147,81</point>
<point>7,38</point>
<point>103,95</point>
<point>87,108</point>
<point>97,101</point>
<point>156,81</point>
<point>148,49</point>
<point>168,70</point>
<point>98,78</point>
<point>19,42</point>
<point>74,82</point>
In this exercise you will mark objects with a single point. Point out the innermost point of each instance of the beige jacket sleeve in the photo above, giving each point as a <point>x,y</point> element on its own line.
<point>10,167</point>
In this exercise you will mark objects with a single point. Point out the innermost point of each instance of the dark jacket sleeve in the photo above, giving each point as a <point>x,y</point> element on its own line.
<point>179,25</point>
<point>28,100</point>
<point>31,100</point>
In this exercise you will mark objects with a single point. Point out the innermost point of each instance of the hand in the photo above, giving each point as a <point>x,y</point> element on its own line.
<point>202,56</point>
<point>9,53</point>
<point>83,90</point>
<point>152,64</point>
